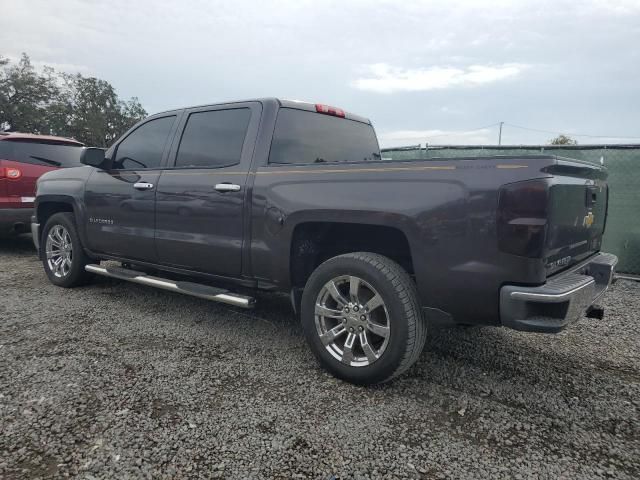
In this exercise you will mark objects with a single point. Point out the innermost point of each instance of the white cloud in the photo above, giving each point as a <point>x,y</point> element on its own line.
<point>400,138</point>
<point>384,78</point>
<point>620,7</point>
<point>63,67</point>
<point>59,67</point>
<point>576,63</point>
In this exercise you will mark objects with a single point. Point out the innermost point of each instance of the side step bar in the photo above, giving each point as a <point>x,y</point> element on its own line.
<point>187,288</point>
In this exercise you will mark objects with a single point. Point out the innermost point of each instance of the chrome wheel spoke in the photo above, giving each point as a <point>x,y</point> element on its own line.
<point>57,264</point>
<point>331,335</point>
<point>335,293</point>
<point>366,348</point>
<point>54,242</point>
<point>374,303</point>
<point>58,235</point>
<point>347,351</point>
<point>354,286</point>
<point>328,312</point>
<point>380,330</point>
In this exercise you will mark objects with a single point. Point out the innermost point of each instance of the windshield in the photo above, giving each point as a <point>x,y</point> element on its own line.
<point>46,154</point>
<point>309,137</point>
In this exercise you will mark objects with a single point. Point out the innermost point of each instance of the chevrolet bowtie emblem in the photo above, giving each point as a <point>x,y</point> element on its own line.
<point>588,220</point>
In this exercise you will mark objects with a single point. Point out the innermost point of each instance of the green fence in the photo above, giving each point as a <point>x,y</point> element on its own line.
<point>622,235</point>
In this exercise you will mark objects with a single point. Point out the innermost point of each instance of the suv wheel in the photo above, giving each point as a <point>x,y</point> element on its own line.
<point>362,319</point>
<point>63,256</point>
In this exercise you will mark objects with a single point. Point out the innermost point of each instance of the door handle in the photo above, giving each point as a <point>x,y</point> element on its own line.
<point>143,186</point>
<point>227,187</point>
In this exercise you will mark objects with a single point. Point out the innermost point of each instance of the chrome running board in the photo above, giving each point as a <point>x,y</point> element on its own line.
<point>187,288</point>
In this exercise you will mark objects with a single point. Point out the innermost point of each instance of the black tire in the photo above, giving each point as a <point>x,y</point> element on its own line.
<point>407,326</point>
<point>76,274</point>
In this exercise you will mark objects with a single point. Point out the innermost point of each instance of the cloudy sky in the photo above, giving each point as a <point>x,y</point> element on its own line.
<point>441,71</point>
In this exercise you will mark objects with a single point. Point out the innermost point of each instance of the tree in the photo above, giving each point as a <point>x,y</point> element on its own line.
<point>25,95</point>
<point>69,105</point>
<point>562,140</point>
<point>89,109</point>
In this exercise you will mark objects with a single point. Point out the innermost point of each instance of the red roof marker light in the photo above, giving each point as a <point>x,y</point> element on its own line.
<point>328,110</point>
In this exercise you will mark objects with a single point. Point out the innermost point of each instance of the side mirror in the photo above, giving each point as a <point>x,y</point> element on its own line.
<point>94,157</point>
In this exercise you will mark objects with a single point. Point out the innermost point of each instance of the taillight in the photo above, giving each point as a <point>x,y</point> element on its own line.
<point>327,110</point>
<point>10,172</point>
<point>522,221</point>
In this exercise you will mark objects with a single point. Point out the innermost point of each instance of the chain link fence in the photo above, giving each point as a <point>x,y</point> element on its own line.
<point>622,235</point>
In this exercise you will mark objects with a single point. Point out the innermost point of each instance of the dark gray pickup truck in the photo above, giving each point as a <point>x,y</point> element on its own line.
<point>219,200</point>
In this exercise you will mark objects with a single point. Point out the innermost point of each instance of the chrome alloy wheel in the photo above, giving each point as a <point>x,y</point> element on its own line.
<point>59,251</point>
<point>352,321</point>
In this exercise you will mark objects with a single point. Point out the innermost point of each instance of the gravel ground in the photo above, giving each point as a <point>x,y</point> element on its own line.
<point>116,380</point>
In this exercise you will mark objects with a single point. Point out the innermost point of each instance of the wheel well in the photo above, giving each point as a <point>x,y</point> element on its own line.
<point>315,242</point>
<point>45,210</point>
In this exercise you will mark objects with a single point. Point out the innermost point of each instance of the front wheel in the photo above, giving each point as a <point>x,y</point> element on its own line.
<point>361,317</point>
<point>63,257</point>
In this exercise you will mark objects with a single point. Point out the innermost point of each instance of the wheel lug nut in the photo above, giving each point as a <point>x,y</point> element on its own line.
<point>351,329</point>
<point>346,309</point>
<point>355,309</point>
<point>344,320</point>
<point>363,317</point>
<point>360,328</point>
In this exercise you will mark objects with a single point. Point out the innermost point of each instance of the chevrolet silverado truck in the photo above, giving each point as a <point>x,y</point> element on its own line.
<point>220,201</point>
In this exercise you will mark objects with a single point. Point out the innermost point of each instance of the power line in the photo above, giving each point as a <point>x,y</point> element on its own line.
<point>539,130</point>
<point>458,132</point>
<point>567,133</point>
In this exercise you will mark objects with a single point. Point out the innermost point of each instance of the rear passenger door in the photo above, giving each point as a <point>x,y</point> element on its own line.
<point>200,200</point>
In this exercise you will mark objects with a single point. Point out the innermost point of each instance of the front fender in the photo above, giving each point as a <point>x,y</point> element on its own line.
<point>63,187</point>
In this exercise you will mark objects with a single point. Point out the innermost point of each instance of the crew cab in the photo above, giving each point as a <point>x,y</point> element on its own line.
<point>23,158</point>
<point>220,200</point>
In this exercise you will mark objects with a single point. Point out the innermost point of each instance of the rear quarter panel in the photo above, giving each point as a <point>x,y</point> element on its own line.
<point>446,210</point>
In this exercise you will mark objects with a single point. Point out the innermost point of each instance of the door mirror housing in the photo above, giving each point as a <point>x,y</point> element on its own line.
<point>94,157</point>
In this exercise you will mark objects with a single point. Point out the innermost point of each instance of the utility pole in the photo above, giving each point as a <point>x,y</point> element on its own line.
<point>500,134</point>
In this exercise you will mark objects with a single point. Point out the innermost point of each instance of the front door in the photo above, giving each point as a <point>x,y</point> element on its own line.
<point>120,202</point>
<point>201,195</point>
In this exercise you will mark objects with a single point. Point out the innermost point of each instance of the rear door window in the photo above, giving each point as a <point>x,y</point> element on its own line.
<point>213,139</point>
<point>303,137</point>
<point>38,153</point>
<point>143,148</point>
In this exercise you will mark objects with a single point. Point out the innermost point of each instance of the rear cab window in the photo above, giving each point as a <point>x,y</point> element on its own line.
<point>306,137</point>
<point>47,154</point>
<point>213,139</point>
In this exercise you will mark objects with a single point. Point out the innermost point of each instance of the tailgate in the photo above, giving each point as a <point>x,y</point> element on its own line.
<point>577,213</point>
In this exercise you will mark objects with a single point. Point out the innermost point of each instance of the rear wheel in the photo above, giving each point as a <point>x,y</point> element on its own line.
<point>362,319</point>
<point>63,256</point>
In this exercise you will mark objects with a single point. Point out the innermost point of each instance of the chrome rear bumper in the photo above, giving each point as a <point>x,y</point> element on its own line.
<point>563,299</point>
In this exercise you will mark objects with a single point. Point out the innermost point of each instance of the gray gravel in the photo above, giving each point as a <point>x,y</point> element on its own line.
<point>116,380</point>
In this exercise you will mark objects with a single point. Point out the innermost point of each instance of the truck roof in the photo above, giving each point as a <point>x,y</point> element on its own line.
<point>31,137</point>
<point>297,104</point>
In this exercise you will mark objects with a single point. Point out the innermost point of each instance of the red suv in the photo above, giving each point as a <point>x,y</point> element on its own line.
<point>23,158</point>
